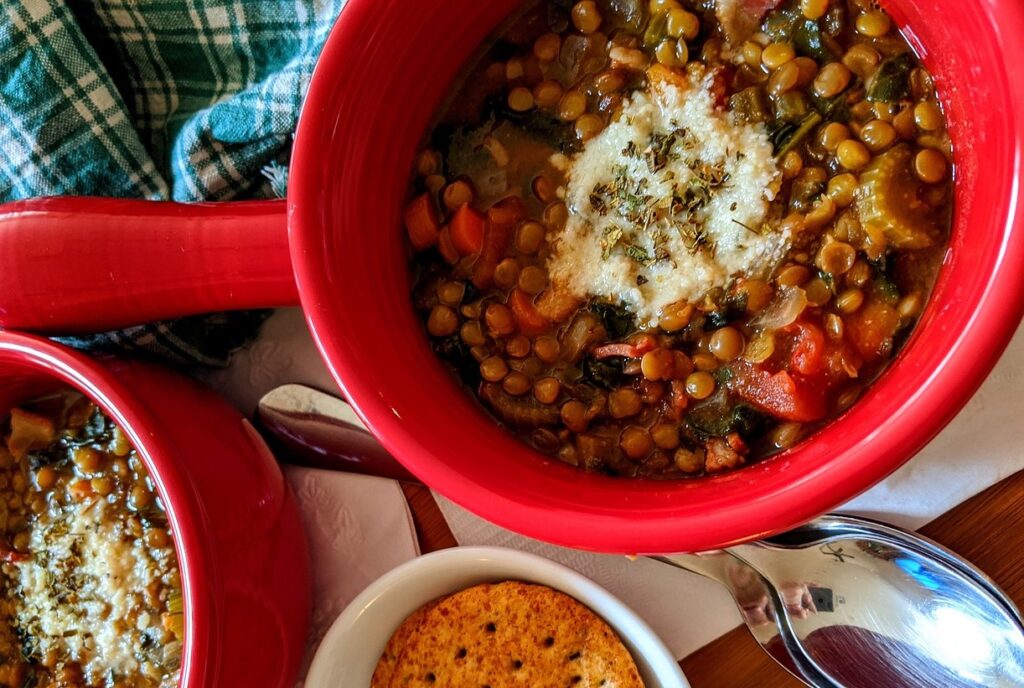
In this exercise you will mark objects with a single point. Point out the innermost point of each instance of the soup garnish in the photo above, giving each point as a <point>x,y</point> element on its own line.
<point>91,593</point>
<point>667,239</point>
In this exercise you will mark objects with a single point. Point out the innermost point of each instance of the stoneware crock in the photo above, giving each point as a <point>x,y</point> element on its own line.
<point>237,530</point>
<point>89,264</point>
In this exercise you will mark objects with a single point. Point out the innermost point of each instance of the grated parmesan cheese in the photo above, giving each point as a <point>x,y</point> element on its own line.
<point>83,592</point>
<point>669,202</point>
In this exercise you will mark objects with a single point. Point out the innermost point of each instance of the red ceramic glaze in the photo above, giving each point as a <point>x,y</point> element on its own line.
<point>71,265</point>
<point>240,541</point>
<point>380,78</point>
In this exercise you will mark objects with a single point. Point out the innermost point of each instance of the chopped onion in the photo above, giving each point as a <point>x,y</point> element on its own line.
<point>784,310</point>
<point>586,329</point>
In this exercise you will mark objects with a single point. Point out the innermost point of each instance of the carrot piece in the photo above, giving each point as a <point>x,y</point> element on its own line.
<point>446,246</point>
<point>422,222</point>
<point>557,303</point>
<point>498,228</point>
<point>530,321</point>
<point>467,228</point>
<point>661,77</point>
<point>871,329</point>
<point>496,238</point>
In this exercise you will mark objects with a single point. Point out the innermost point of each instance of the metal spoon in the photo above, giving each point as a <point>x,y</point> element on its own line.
<point>840,602</point>
<point>846,601</point>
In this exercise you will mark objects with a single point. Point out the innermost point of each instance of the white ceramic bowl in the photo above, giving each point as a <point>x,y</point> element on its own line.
<point>350,650</point>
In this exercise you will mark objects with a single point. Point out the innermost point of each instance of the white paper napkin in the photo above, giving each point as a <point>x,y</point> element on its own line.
<point>359,528</point>
<point>984,445</point>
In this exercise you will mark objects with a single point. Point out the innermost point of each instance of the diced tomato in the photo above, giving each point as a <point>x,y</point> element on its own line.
<point>843,363</point>
<point>446,247</point>
<point>780,394</point>
<point>467,227</point>
<point>871,329</point>
<point>721,78</point>
<point>422,222</point>
<point>9,555</point>
<point>529,320</point>
<point>496,238</point>
<point>808,355</point>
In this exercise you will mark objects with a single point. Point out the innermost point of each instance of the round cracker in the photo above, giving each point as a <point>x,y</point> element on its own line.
<point>393,650</point>
<point>513,635</point>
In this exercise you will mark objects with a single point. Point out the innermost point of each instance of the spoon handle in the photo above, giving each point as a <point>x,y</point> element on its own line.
<point>759,604</point>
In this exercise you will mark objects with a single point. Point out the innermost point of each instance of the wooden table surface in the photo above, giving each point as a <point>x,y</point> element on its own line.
<point>988,530</point>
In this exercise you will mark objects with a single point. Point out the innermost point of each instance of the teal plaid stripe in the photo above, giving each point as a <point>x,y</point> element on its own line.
<point>182,100</point>
<point>63,125</point>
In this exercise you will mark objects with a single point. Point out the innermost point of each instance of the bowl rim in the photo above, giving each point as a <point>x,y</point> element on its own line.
<point>473,563</point>
<point>102,386</point>
<point>779,503</point>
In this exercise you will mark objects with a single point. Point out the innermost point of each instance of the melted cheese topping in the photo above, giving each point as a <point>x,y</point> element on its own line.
<point>669,202</point>
<point>83,591</point>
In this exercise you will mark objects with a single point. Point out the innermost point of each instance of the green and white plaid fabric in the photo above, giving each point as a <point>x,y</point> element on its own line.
<point>182,100</point>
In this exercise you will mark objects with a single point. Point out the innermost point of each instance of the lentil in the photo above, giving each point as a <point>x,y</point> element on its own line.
<point>628,396</point>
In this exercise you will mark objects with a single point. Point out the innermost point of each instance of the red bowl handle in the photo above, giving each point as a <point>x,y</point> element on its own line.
<point>72,265</point>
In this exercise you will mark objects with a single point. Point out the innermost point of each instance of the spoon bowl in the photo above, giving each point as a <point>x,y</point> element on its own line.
<point>849,602</point>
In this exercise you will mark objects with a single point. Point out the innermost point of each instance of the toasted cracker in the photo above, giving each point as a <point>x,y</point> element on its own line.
<point>513,635</point>
<point>393,650</point>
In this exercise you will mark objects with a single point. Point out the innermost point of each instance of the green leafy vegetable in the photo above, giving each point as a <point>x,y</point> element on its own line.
<point>606,373</point>
<point>835,109</point>
<point>631,14</point>
<point>789,25</point>
<point>731,308</point>
<point>886,290</point>
<point>718,417</point>
<point>656,31</point>
<point>616,319</point>
<point>891,82</point>
<point>791,107</point>
<point>810,40</point>
<point>786,136</point>
<point>749,105</point>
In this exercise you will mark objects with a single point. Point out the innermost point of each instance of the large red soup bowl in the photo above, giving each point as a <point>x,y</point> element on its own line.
<point>385,69</point>
<point>237,531</point>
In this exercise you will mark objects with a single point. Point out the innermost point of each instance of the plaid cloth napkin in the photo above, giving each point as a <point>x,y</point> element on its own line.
<point>183,100</point>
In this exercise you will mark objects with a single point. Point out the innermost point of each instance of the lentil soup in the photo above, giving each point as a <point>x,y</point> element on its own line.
<point>668,238</point>
<point>91,595</point>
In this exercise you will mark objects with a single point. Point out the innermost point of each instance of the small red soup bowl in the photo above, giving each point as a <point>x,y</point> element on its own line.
<point>382,75</point>
<point>238,535</point>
